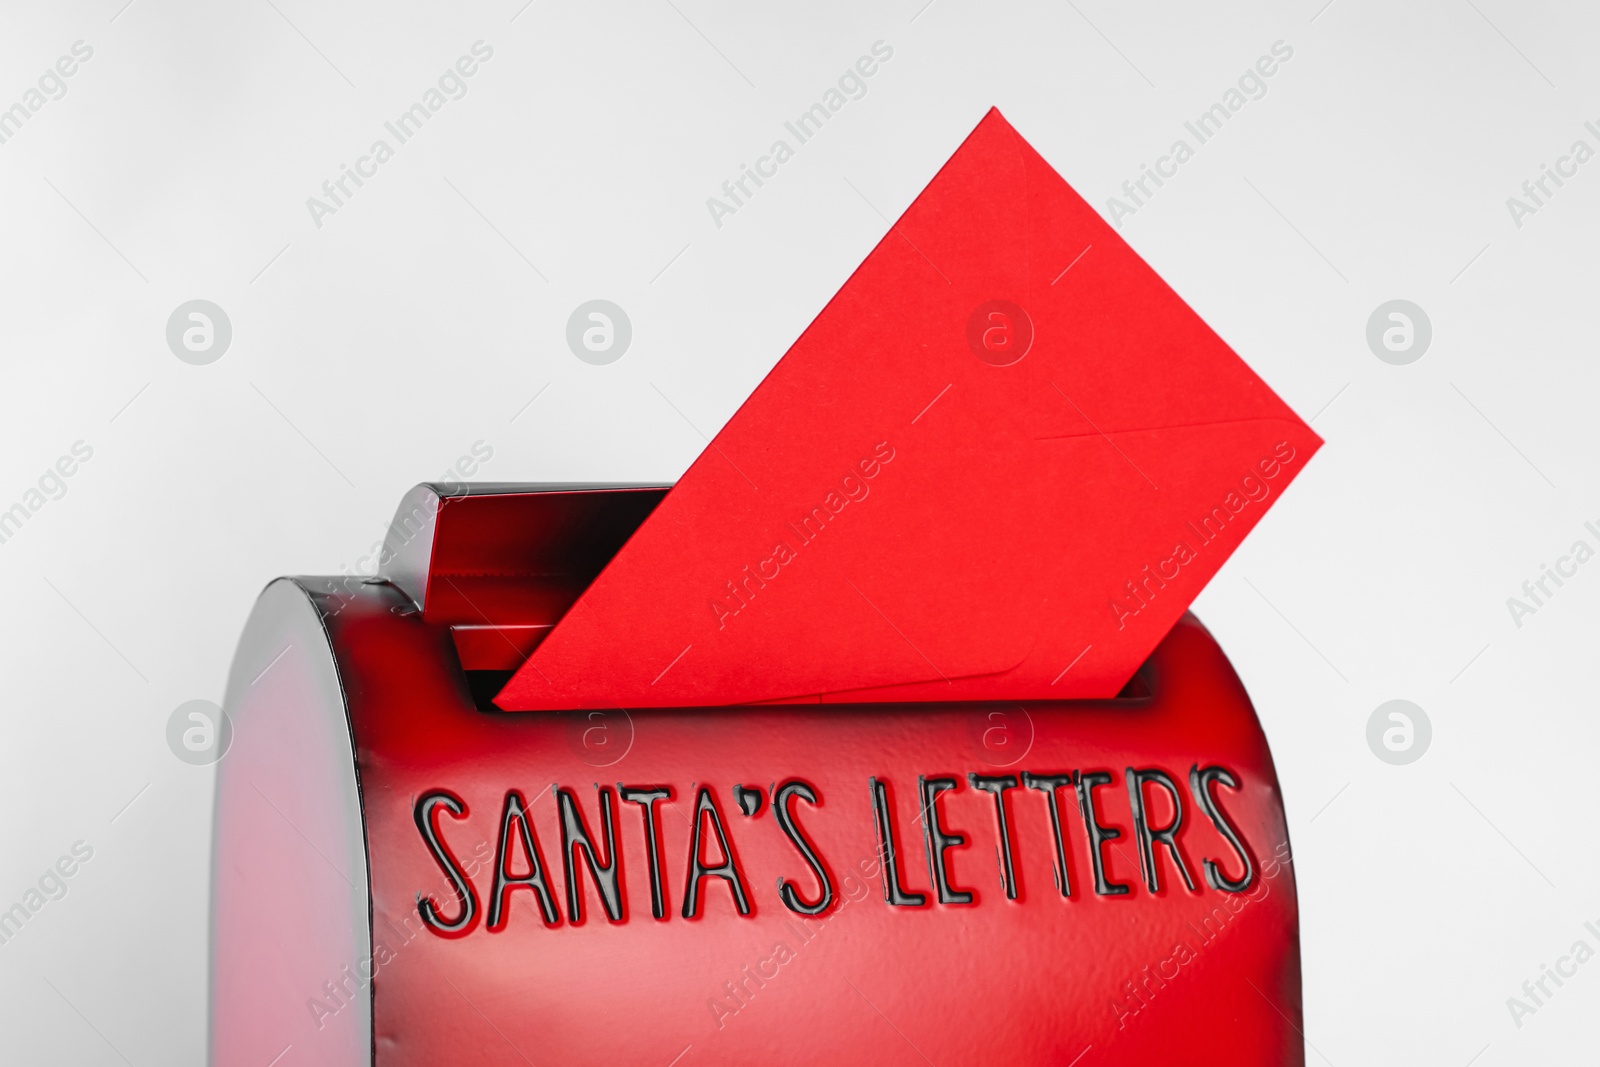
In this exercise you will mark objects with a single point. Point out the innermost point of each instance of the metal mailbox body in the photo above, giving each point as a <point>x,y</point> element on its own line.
<point>799,883</point>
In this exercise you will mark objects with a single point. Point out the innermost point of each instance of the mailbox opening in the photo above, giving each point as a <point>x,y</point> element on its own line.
<point>500,564</point>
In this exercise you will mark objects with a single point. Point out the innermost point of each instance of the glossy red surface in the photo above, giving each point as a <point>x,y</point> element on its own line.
<point>1202,976</point>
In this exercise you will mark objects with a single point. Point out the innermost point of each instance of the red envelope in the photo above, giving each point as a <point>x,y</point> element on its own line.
<point>999,465</point>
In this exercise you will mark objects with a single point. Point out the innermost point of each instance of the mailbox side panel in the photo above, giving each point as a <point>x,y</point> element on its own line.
<point>290,957</point>
<point>718,968</point>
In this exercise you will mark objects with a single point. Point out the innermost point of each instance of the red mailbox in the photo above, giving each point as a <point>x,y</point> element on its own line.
<point>407,875</point>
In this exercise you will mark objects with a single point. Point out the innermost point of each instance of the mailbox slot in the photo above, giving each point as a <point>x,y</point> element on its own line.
<point>500,564</point>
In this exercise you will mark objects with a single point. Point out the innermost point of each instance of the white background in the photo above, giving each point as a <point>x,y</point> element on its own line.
<point>372,352</point>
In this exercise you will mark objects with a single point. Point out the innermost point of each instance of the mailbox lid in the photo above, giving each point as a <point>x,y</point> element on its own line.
<point>500,563</point>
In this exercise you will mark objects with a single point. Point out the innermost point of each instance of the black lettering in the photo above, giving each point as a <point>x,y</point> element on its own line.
<point>1049,785</point>
<point>782,808</point>
<point>427,823</point>
<point>1098,835</point>
<point>516,812</point>
<point>727,870</point>
<point>1200,781</point>
<point>575,838</point>
<point>997,784</point>
<point>646,796</point>
<point>892,890</point>
<point>1148,835</point>
<point>748,798</point>
<point>937,840</point>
